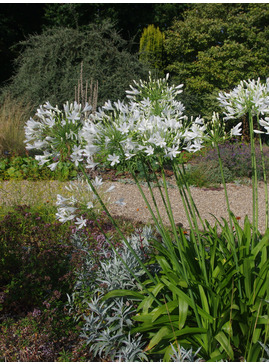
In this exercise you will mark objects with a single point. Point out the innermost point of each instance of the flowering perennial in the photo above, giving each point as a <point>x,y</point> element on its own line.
<point>56,133</point>
<point>67,207</point>
<point>248,97</point>
<point>151,123</point>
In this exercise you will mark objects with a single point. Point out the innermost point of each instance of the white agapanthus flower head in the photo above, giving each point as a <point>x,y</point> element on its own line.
<point>152,123</point>
<point>216,133</point>
<point>250,96</point>
<point>80,198</point>
<point>56,133</point>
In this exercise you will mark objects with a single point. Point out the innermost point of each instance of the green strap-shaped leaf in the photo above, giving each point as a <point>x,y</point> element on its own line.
<point>123,293</point>
<point>147,302</point>
<point>158,337</point>
<point>182,312</point>
<point>169,306</point>
<point>224,343</point>
<point>187,299</point>
<point>263,242</point>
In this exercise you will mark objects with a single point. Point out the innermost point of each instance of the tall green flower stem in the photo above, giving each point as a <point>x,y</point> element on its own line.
<point>265,183</point>
<point>191,211</point>
<point>225,187</point>
<point>190,215</point>
<point>159,223</point>
<point>178,265</point>
<point>121,234</point>
<point>187,196</point>
<point>254,176</point>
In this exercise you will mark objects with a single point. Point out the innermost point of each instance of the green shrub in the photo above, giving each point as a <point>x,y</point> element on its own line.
<point>152,47</point>
<point>49,65</point>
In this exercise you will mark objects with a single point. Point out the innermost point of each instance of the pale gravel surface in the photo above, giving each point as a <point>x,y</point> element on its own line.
<point>208,201</point>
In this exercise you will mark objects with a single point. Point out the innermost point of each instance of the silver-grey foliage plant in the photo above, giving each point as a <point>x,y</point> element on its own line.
<point>107,324</point>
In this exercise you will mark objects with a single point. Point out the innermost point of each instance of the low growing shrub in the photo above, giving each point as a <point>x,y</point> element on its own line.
<point>47,335</point>
<point>20,168</point>
<point>107,324</point>
<point>37,259</point>
<point>236,159</point>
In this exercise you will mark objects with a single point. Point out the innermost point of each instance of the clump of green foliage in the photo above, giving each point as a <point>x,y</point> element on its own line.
<point>20,168</point>
<point>213,47</point>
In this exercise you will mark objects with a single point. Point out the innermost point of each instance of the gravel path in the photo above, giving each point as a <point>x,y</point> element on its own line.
<point>209,202</point>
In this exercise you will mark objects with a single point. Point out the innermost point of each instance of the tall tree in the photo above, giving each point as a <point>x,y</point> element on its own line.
<point>151,47</point>
<point>49,65</point>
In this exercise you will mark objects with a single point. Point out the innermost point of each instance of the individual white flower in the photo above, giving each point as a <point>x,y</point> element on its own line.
<point>90,205</point>
<point>97,182</point>
<point>129,155</point>
<point>236,130</point>
<point>38,144</point>
<point>172,152</point>
<point>149,150</point>
<point>133,91</point>
<point>123,128</point>
<point>114,159</point>
<point>193,147</point>
<point>43,158</point>
<point>87,108</point>
<point>73,117</point>
<point>108,106</point>
<point>61,200</point>
<point>120,202</point>
<point>48,106</point>
<point>159,141</point>
<point>264,124</point>
<point>53,166</point>
<point>89,150</point>
<point>80,222</point>
<point>90,163</point>
<point>65,214</point>
<point>76,155</point>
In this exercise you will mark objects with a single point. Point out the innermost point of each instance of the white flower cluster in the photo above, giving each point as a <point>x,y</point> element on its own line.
<point>250,96</point>
<point>216,133</point>
<point>67,207</point>
<point>152,123</point>
<point>56,132</point>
